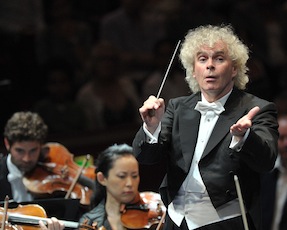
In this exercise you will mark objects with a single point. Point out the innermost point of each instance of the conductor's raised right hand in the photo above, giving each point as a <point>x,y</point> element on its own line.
<point>152,112</point>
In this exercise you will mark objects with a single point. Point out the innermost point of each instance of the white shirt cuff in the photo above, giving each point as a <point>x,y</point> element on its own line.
<point>152,138</point>
<point>238,142</point>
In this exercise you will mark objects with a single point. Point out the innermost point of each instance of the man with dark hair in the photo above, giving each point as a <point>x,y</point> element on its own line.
<point>24,135</point>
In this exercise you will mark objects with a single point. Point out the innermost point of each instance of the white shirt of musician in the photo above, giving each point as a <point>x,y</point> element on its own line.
<point>192,201</point>
<point>15,177</point>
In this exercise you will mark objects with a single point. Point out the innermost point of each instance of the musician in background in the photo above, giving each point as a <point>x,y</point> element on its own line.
<point>274,185</point>
<point>24,135</point>
<point>116,184</point>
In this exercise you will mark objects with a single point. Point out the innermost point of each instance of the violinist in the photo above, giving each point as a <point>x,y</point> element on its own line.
<point>116,185</point>
<point>24,135</point>
<point>118,203</point>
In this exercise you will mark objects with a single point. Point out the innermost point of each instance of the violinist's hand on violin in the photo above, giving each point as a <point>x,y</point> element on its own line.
<point>244,123</point>
<point>52,224</point>
<point>152,112</point>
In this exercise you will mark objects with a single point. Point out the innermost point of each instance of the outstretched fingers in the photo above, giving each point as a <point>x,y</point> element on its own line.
<point>252,112</point>
<point>244,123</point>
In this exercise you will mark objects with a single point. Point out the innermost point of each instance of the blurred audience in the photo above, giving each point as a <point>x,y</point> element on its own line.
<point>35,31</point>
<point>188,14</point>
<point>281,101</point>
<point>274,205</point>
<point>109,98</point>
<point>260,24</point>
<point>175,84</point>
<point>92,11</point>
<point>67,36</point>
<point>259,83</point>
<point>21,25</point>
<point>58,107</point>
<point>133,30</point>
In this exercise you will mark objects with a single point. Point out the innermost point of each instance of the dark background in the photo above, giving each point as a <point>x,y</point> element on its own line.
<point>261,24</point>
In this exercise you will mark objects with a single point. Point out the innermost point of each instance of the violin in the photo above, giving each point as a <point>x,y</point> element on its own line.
<point>27,217</point>
<point>58,174</point>
<point>146,213</point>
<point>20,212</point>
<point>4,224</point>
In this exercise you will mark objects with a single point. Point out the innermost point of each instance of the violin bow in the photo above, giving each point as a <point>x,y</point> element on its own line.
<point>242,208</point>
<point>77,177</point>
<point>161,221</point>
<point>5,212</point>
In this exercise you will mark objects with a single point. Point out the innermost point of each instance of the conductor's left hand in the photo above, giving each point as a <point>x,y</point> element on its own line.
<point>244,123</point>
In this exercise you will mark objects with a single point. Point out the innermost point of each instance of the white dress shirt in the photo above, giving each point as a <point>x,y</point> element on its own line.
<point>15,177</point>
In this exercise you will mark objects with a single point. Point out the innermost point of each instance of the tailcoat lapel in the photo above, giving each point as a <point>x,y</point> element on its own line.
<point>189,120</point>
<point>226,120</point>
<point>188,124</point>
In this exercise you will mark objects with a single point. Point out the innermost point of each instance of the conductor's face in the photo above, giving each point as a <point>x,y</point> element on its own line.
<point>214,71</point>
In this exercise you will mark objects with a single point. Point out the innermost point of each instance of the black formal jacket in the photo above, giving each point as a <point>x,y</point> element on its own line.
<point>5,187</point>
<point>218,163</point>
<point>269,183</point>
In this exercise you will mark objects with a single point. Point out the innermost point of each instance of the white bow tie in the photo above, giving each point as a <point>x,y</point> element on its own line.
<point>203,107</point>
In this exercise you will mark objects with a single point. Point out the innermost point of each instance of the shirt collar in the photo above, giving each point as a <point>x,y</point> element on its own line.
<point>13,169</point>
<point>222,100</point>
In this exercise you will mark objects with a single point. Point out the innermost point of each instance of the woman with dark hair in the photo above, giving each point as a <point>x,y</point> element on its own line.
<point>116,185</point>
<point>116,188</point>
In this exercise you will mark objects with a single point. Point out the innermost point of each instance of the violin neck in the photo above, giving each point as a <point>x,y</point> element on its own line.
<point>33,220</point>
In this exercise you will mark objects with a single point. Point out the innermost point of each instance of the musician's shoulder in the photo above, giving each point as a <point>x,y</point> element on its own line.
<point>2,155</point>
